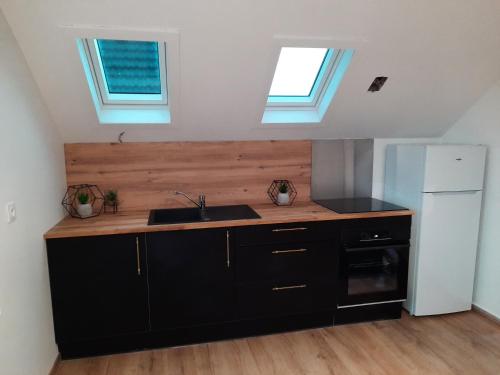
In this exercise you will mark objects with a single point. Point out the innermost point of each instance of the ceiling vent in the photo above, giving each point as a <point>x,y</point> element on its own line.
<point>377,84</point>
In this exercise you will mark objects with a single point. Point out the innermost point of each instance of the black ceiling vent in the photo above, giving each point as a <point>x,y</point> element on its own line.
<point>377,84</point>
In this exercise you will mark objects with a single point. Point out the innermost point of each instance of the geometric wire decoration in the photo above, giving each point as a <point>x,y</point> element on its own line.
<point>95,199</point>
<point>274,190</point>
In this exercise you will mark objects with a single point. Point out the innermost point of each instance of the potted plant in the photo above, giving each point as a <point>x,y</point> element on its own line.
<point>84,208</point>
<point>111,201</point>
<point>283,196</point>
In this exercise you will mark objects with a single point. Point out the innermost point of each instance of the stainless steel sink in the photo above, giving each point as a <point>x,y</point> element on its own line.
<point>195,214</point>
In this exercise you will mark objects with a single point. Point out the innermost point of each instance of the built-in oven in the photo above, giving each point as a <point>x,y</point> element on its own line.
<point>373,264</point>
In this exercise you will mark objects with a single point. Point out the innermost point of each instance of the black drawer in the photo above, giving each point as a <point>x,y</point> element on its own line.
<point>274,299</point>
<point>281,298</point>
<point>373,231</point>
<point>286,262</point>
<point>285,233</point>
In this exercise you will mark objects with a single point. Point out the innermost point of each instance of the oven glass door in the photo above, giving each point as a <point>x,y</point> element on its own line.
<point>373,274</point>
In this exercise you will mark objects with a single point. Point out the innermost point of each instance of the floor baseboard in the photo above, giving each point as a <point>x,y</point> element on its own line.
<point>54,365</point>
<point>486,314</point>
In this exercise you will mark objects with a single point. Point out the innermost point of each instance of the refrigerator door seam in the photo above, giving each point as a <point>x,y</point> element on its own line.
<point>452,192</point>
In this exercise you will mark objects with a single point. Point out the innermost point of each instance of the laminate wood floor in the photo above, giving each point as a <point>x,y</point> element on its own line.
<point>464,343</point>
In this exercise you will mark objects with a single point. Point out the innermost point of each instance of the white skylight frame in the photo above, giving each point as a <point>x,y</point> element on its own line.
<point>107,98</point>
<point>139,114</point>
<point>297,110</point>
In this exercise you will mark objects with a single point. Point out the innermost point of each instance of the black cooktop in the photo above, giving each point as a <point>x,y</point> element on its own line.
<point>352,205</point>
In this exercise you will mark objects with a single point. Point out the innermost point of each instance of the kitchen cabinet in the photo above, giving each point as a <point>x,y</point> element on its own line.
<point>114,293</point>
<point>98,286</point>
<point>190,277</point>
<point>286,269</point>
<point>208,276</point>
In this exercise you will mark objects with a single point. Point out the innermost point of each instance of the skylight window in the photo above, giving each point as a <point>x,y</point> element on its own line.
<point>127,80</point>
<point>296,71</point>
<point>304,84</point>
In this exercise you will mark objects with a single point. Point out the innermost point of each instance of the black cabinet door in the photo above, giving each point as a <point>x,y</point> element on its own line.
<point>98,286</point>
<point>190,277</point>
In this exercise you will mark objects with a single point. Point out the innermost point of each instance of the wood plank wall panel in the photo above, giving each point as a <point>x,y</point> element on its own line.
<point>147,174</point>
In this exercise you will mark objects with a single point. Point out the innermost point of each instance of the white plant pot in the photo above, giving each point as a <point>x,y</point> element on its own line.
<point>84,210</point>
<point>283,198</point>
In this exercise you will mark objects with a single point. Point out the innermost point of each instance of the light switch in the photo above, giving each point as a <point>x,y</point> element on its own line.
<point>11,212</point>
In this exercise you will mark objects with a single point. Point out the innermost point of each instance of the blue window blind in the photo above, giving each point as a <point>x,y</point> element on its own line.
<point>130,67</point>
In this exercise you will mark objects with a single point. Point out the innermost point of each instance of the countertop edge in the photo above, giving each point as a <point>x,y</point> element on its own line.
<point>138,222</point>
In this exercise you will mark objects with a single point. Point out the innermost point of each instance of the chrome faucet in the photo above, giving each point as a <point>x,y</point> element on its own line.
<point>201,200</point>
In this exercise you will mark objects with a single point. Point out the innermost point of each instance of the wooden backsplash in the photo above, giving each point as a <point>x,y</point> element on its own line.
<point>147,174</point>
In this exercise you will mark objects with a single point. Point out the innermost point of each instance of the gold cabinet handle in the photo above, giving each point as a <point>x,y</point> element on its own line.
<point>289,229</point>
<point>278,288</point>
<point>289,251</point>
<point>138,256</point>
<point>228,261</point>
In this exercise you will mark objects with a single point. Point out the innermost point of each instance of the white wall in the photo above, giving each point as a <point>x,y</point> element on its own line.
<point>429,50</point>
<point>481,125</point>
<point>31,175</point>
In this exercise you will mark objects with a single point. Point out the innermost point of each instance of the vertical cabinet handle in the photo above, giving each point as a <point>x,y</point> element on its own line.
<point>138,256</point>
<point>228,261</point>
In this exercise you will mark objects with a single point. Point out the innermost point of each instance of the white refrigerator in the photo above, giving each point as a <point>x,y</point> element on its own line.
<point>443,184</point>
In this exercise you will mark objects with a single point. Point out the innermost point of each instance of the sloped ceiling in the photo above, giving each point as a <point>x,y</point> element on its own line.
<point>440,56</point>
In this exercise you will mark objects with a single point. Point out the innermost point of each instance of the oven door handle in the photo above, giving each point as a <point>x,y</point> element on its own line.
<point>374,248</point>
<point>377,239</point>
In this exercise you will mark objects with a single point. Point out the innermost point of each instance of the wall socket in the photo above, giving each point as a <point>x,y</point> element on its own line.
<point>11,212</point>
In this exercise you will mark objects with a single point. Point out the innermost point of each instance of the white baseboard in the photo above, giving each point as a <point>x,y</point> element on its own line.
<point>486,313</point>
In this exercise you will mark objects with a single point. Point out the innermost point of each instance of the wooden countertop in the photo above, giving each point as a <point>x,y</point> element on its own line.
<point>137,222</point>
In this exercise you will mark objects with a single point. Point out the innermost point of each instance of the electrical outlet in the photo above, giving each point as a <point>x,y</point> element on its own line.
<point>11,212</point>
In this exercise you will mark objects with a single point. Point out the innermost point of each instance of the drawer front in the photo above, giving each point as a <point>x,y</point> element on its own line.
<point>281,298</point>
<point>274,299</point>
<point>285,262</point>
<point>372,231</point>
<point>285,233</point>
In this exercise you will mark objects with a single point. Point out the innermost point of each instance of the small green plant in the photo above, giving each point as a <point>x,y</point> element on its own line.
<point>283,188</point>
<point>83,198</point>
<point>111,196</point>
